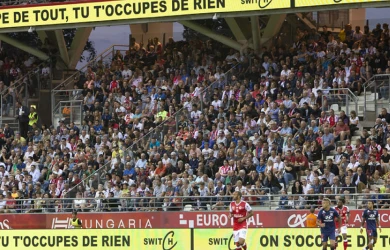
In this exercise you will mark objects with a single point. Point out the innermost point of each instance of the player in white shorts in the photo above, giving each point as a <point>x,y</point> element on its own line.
<point>240,211</point>
<point>344,214</point>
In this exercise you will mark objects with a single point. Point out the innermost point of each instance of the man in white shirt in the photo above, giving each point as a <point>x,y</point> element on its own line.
<point>278,165</point>
<point>206,151</point>
<point>305,99</point>
<point>195,114</point>
<point>227,92</point>
<point>285,71</point>
<point>35,173</point>
<point>141,163</point>
<point>316,88</point>
<point>3,172</point>
<point>29,153</point>
<point>219,74</point>
<point>216,103</point>
<point>127,73</point>
<point>84,136</point>
<point>354,164</point>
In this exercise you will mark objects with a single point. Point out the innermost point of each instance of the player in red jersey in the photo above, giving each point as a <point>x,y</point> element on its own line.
<point>240,211</point>
<point>344,214</point>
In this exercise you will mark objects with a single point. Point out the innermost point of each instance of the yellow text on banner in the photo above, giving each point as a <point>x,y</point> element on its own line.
<point>282,238</point>
<point>73,13</point>
<point>96,239</point>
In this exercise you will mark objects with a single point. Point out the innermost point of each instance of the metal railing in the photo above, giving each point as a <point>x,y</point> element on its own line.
<point>103,202</point>
<point>172,122</point>
<point>68,111</point>
<point>101,60</point>
<point>204,97</point>
<point>376,93</point>
<point>340,99</point>
<point>25,87</point>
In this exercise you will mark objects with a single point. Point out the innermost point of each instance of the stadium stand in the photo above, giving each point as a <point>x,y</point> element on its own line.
<point>184,124</point>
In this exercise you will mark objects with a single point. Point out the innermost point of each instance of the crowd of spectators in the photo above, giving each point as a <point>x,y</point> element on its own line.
<point>203,120</point>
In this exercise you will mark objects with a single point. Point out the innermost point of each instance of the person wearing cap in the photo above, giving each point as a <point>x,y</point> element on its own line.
<point>33,117</point>
<point>75,222</point>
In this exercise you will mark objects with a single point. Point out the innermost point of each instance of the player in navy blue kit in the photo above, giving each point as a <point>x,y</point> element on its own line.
<point>326,221</point>
<point>371,216</point>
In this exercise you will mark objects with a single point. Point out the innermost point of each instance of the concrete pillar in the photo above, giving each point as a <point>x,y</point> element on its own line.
<point>143,32</point>
<point>217,37</point>
<point>357,17</point>
<point>24,47</point>
<point>255,33</point>
<point>77,47</point>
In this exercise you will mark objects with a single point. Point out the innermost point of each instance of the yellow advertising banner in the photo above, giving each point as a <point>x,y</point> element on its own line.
<point>96,239</point>
<point>310,3</point>
<point>177,239</point>
<point>283,238</point>
<point>72,13</point>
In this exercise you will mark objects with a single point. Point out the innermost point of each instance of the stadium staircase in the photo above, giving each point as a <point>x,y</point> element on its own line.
<point>63,81</point>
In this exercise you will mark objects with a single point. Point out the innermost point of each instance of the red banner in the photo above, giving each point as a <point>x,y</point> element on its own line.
<point>266,219</point>
<point>22,221</point>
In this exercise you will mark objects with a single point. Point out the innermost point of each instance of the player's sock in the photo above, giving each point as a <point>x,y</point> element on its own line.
<point>336,244</point>
<point>332,248</point>
<point>238,246</point>
<point>244,246</point>
<point>345,244</point>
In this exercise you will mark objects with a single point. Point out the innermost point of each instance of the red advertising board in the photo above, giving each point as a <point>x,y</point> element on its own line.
<point>266,219</point>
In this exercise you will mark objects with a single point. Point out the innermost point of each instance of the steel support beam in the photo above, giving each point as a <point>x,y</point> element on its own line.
<point>255,33</point>
<point>42,35</point>
<point>62,46</point>
<point>77,47</point>
<point>24,47</point>
<point>207,32</point>
<point>273,27</point>
<point>236,26</point>
<point>306,21</point>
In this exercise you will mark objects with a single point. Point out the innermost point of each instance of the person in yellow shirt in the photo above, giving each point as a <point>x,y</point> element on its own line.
<point>311,219</point>
<point>76,222</point>
<point>116,151</point>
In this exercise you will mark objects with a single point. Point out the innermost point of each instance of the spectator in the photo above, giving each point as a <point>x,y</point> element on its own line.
<point>23,118</point>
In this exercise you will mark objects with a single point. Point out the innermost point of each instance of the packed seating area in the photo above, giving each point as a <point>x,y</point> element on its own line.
<point>184,124</point>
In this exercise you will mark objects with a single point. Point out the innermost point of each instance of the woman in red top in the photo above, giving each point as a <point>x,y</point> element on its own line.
<point>223,170</point>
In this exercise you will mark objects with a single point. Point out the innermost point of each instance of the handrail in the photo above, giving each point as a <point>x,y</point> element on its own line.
<point>62,102</point>
<point>125,204</point>
<point>372,79</point>
<point>151,131</point>
<point>91,62</point>
<point>349,92</point>
<point>372,83</point>
<point>20,82</point>
<point>25,75</point>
